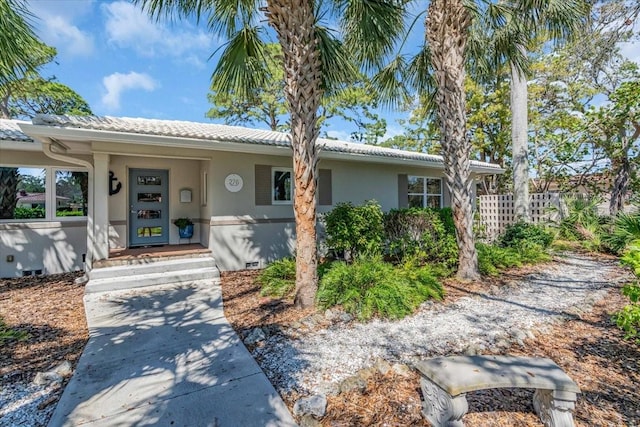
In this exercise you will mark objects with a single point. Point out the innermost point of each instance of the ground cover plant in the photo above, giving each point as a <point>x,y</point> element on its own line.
<point>370,287</point>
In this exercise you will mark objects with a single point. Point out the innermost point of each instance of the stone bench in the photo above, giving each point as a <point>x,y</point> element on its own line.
<point>446,380</point>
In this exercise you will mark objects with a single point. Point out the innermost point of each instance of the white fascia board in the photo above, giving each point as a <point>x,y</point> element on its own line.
<point>20,146</point>
<point>90,135</point>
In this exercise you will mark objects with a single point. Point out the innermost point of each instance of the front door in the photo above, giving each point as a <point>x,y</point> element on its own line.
<point>148,207</point>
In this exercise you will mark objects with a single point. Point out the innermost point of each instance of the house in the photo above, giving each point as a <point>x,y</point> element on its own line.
<point>139,175</point>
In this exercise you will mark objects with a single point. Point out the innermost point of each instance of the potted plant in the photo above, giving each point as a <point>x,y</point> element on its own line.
<point>185,227</point>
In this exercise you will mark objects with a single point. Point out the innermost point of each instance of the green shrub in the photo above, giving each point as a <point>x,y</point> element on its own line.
<point>632,257</point>
<point>626,229</point>
<point>370,287</point>
<point>421,234</point>
<point>582,222</point>
<point>492,258</point>
<point>353,230</point>
<point>524,234</point>
<point>28,213</point>
<point>278,279</point>
<point>628,319</point>
<point>446,216</point>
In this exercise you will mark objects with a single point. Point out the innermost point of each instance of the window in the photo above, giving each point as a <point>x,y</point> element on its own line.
<point>48,193</point>
<point>424,192</point>
<point>72,192</point>
<point>281,185</point>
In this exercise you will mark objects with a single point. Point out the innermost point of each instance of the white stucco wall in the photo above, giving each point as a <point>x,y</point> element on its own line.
<point>53,247</point>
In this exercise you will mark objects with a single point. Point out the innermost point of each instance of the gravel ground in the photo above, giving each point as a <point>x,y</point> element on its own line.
<point>486,322</point>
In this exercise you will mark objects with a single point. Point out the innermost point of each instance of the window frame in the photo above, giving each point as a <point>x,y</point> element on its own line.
<point>274,170</point>
<point>425,194</point>
<point>50,195</point>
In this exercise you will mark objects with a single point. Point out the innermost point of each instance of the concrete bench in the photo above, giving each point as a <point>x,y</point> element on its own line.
<point>446,380</point>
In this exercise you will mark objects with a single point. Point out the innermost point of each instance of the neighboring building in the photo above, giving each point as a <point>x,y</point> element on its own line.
<point>234,183</point>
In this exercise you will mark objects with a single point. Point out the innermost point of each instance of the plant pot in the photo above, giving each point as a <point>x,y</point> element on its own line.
<point>186,232</point>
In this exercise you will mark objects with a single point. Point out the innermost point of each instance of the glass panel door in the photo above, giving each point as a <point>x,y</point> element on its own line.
<point>148,207</point>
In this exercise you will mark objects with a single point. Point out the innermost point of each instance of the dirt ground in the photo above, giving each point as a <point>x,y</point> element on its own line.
<point>589,348</point>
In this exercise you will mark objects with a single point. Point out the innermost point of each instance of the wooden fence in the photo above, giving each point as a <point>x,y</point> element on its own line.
<point>496,212</point>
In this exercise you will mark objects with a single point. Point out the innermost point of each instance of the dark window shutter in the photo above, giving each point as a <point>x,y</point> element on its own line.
<point>325,192</point>
<point>263,184</point>
<point>403,191</point>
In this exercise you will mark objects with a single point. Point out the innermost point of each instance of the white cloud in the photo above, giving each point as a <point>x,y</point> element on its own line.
<point>116,83</point>
<point>127,26</point>
<point>55,26</point>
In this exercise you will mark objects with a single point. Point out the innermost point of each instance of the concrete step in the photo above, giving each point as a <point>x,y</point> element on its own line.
<point>129,281</point>
<point>150,267</point>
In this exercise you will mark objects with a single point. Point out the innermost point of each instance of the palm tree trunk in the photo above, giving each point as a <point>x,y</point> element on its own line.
<point>294,23</point>
<point>9,179</point>
<point>519,129</point>
<point>447,23</point>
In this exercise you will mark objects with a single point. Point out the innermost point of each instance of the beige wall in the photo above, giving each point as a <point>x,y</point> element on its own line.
<point>182,174</point>
<point>53,247</point>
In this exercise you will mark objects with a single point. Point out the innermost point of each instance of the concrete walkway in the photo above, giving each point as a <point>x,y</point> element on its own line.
<point>166,356</point>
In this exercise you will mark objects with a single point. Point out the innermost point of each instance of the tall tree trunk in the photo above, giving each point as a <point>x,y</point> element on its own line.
<point>519,129</point>
<point>294,23</point>
<point>622,171</point>
<point>447,23</point>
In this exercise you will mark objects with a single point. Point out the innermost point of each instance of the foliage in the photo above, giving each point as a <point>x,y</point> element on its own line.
<point>69,213</point>
<point>370,287</point>
<point>354,230</point>
<point>421,234</point>
<point>628,319</point>
<point>278,279</point>
<point>31,96</point>
<point>22,51</point>
<point>580,221</point>
<point>21,212</point>
<point>492,258</point>
<point>7,333</point>
<point>625,230</point>
<point>523,234</point>
<point>182,222</point>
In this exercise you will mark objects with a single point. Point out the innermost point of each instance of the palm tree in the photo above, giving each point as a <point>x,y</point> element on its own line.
<point>22,51</point>
<point>315,63</point>
<point>555,20</point>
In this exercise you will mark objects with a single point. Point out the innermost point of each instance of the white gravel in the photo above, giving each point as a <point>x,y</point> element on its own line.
<point>19,403</point>
<point>311,363</point>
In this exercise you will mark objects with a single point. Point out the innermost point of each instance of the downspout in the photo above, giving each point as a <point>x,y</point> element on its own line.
<point>47,148</point>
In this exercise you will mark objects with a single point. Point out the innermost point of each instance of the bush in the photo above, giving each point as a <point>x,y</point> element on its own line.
<point>370,287</point>
<point>279,278</point>
<point>626,229</point>
<point>524,234</point>
<point>423,234</point>
<point>353,230</point>
<point>28,213</point>
<point>492,258</point>
<point>583,223</point>
<point>628,319</point>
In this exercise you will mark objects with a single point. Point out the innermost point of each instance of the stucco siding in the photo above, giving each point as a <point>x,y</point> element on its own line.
<point>53,247</point>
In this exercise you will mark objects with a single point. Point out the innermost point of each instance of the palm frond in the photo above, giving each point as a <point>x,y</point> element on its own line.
<point>418,74</point>
<point>389,83</point>
<point>22,51</point>
<point>242,66</point>
<point>337,65</point>
<point>372,28</point>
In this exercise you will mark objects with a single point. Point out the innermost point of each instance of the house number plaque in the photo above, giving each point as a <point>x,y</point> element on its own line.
<point>233,182</point>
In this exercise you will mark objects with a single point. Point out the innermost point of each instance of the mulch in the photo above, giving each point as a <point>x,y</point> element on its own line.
<point>50,310</point>
<point>588,347</point>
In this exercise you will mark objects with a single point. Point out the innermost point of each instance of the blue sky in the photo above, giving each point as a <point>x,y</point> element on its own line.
<point>126,64</point>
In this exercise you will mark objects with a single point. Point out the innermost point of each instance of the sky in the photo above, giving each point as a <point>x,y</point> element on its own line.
<point>125,64</point>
